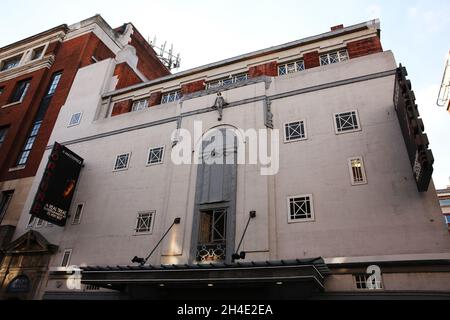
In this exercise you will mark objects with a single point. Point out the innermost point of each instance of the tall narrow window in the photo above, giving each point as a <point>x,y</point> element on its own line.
<point>357,171</point>
<point>20,91</point>
<point>78,214</point>
<point>212,240</point>
<point>5,200</point>
<point>43,106</point>
<point>31,222</point>
<point>66,258</point>
<point>3,132</point>
<point>25,154</point>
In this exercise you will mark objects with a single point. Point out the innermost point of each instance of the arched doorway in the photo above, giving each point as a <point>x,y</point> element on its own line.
<point>214,225</point>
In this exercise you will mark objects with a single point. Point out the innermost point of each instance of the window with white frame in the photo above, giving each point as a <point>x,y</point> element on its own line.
<point>361,282</point>
<point>301,208</point>
<point>292,67</point>
<point>333,57</point>
<point>66,258</point>
<point>28,146</point>
<point>140,105</point>
<point>357,171</point>
<point>20,91</point>
<point>78,214</point>
<point>232,79</point>
<point>295,131</point>
<point>170,97</point>
<point>447,219</point>
<point>75,119</point>
<point>40,223</point>
<point>155,156</point>
<point>31,222</point>
<point>145,221</point>
<point>347,122</point>
<point>11,63</point>
<point>122,162</point>
<point>37,53</point>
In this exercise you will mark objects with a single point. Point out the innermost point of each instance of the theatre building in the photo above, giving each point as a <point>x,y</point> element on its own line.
<point>342,207</point>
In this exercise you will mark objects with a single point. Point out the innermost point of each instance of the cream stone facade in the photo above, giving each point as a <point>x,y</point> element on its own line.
<point>384,221</point>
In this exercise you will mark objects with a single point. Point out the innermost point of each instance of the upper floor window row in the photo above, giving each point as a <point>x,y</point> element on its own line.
<point>232,79</point>
<point>291,67</point>
<point>333,57</point>
<point>170,97</point>
<point>23,58</point>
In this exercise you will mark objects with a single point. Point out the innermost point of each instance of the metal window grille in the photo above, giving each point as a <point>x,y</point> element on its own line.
<point>144,222</point>
<point>140,105</point>
<point>156,156</point>
<point>361,282</point>
<point>292,67</point>
<point>171,97</point>
<point>227,81</point>
<point>295,131</point>
<point>357,168</point>
<point>300,208</point>
<point>334,57</point>
<point>78,214</point>
<point>347,121</point>
<point>122,161</point>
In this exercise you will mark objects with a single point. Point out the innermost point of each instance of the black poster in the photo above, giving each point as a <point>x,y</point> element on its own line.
<point>56,190</point>
<point>416,140</point>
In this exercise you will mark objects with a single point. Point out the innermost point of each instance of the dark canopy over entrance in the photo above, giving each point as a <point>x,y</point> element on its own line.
<point>295,279</point>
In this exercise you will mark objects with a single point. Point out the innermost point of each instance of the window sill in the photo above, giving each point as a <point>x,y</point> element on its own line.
<point>295,140</point>
<point>18,168</point>
<point>143,234</point>
<point>12,104</point>
<point>349,131</point>
<point>302,221</point>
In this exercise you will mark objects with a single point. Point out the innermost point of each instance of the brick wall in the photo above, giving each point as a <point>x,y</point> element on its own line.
<point>268,69</point>
<point>311,60</point>
<point>122,107</point>
<point>126,75</point>
<point>149,64</point>
<point>155,99</point>
<point>364,47</point>
<point>193,87</point>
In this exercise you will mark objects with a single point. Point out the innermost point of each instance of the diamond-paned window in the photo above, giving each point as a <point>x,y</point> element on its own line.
<point>155,156</point>
<point>227,81</point>
<point>347,122</point>
<point>75,119</point>
<point>301,208</point>
<point>292,67</point>
<point>295,131</point>
<point>171,97</point>
<point>122,162</point>
<point>145,222</point>
<point>140,105</point>
<point>333,57</point>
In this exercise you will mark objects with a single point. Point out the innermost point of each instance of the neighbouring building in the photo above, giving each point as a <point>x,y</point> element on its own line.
<point>36,75</point>
<point>444,201</point>
<point>351,211</point>
<point>444,92</point>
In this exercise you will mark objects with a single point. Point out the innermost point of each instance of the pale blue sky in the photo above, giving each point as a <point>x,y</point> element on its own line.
<point>418,32</point>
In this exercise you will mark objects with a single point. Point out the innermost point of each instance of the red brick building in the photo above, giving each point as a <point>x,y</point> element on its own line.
<point>36,75</point>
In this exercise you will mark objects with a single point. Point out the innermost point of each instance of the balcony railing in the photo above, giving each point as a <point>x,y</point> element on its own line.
<point>211,252</point>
